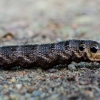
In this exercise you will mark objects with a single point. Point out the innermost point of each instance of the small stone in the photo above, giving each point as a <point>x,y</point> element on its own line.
<point>4,82</point>
<point>13,79</point>
<point>29,90</point>
<point>62,77</point>
<point>36,93</point>
<point>18,86</point>
<point>14,97</point>
<point>52,70</point>
<point>32,98</point>
<point>42,78</point>
<point>52,77</point>
<point>71,78</point>
<point>5,86</point>
<point>71,67</point>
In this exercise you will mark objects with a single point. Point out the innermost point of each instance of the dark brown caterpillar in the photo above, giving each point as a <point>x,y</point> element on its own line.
<point>49,55</point>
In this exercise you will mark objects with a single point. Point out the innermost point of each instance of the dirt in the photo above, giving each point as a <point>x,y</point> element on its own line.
<point>40,21</point>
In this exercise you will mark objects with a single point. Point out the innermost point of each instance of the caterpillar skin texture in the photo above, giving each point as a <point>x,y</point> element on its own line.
<point>49,55</point>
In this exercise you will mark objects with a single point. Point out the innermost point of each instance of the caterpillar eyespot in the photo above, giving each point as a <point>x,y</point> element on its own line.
<point>94,48</point>
<point>82,47</point>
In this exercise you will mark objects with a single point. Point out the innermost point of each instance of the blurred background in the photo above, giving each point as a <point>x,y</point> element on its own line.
<point>46,21</point>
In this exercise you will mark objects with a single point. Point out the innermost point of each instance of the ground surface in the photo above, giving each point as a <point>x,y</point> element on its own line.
<point>46,21</point>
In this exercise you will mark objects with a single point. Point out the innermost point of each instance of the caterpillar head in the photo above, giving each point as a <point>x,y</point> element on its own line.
<point>91,49</point>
